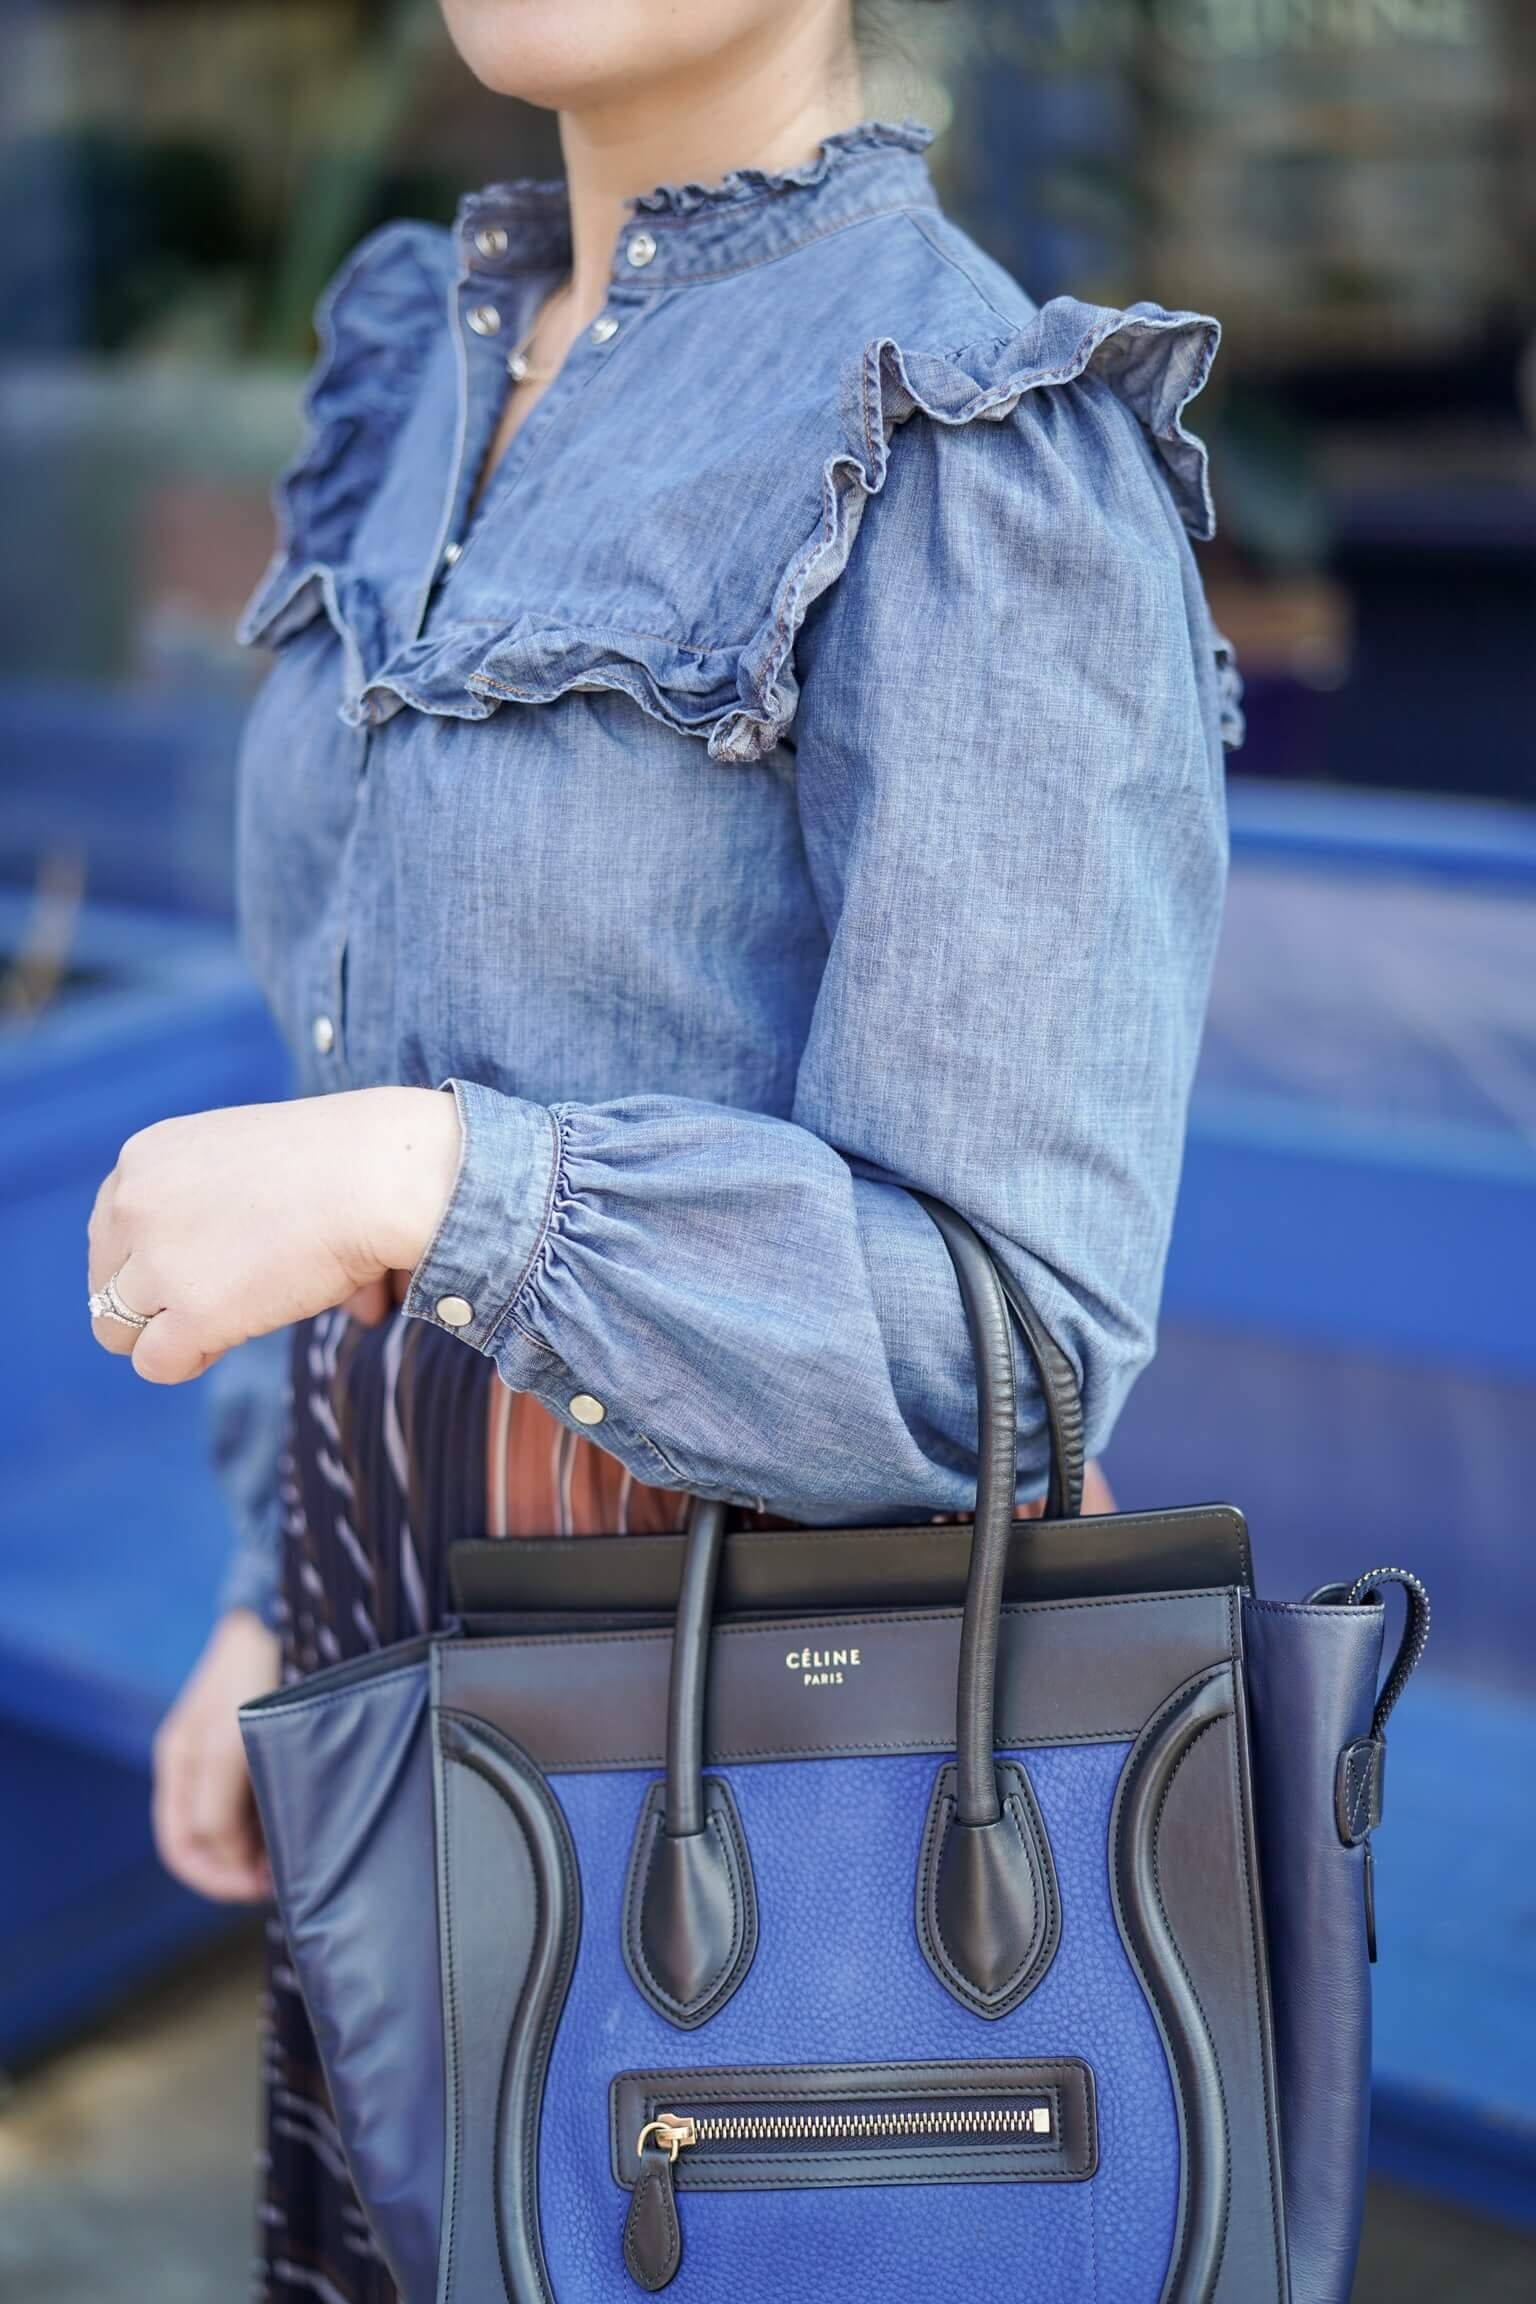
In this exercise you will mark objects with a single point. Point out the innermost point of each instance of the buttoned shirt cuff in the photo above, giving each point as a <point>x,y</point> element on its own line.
<point>489,1236</point>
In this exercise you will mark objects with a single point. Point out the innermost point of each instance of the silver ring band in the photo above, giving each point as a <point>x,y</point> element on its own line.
<point>107,1304</point>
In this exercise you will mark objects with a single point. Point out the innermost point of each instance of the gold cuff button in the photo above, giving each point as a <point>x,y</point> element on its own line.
<point>586,1410</point>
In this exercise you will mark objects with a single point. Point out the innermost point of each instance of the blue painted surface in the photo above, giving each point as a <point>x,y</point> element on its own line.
<point>838,1978</point>
<point>1455,2057</point>
<point>140,785</point>
<point>1333,828</point>
<point>87,1906</point>
<point>113,1534</point>
<point>1416,1243</point>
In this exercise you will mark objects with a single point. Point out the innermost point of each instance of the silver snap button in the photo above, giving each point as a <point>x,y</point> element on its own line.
<point>641,249</point>
<point>485,319</point>
<point>491,241</point>
<point>323,1033</point>
<point>604,328</point>
<point>455,1311</point>
<point>451,554</point>
<point>586,1410</point>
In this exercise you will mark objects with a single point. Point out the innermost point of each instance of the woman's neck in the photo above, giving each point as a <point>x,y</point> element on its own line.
<point>767,102</point>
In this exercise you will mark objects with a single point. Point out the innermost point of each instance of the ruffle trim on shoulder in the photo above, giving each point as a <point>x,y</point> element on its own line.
<point>468,671</point>
<point>1155,361</point>
<point>751,183</point>
<point>371,322</point>
<point>739,697</point>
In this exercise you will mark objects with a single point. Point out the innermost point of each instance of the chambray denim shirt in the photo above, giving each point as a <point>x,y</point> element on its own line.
<point>800,779</point>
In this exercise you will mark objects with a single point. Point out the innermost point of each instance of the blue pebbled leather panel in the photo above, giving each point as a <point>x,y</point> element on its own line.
<point>343,1779</point>
<point>839,1978</point>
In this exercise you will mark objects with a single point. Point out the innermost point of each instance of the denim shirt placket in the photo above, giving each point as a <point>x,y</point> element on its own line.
<point>493,310</point>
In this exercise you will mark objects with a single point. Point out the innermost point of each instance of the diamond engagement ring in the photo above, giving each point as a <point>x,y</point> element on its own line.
<point>106,1304</point>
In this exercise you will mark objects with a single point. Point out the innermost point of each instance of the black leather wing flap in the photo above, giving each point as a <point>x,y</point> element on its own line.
<point>509,1917</point>
<point>1185,1883</point>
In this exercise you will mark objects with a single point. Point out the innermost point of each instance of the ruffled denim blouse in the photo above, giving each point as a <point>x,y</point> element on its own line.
<point>799,780</point>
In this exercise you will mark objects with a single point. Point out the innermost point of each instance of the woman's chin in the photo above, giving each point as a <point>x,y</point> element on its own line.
<point>566,54</point>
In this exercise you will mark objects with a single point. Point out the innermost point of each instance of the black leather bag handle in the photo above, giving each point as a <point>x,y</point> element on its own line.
<point>990,1295</point>
<point>690,1911</point>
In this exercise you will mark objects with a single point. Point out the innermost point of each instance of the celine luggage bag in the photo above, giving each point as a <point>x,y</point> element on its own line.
<point>916,1915</point>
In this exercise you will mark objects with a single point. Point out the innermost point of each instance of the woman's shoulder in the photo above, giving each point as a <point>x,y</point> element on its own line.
<point>935,327</point>
<point>1048,432</point>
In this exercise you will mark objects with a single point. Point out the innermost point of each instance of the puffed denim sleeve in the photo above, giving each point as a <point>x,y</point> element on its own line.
<point>247,1427</point>
<point>1008,755</point>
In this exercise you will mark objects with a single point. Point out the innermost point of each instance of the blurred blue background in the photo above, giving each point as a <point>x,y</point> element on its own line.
<point>1349,1345</point>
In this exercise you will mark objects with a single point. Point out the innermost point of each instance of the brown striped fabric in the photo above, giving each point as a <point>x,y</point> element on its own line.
<point>542,1480</point>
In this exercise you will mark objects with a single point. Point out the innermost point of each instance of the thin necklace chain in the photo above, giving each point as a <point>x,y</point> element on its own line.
<point>519,367</point>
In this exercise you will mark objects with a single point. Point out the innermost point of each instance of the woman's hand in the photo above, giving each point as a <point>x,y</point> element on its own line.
<point>231,1223</point>
<point>204,1816</point>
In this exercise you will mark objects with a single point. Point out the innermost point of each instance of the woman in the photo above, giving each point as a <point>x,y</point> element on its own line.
<point>745,739</point>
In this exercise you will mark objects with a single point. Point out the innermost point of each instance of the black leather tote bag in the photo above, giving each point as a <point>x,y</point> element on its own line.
<point>916,1914</point>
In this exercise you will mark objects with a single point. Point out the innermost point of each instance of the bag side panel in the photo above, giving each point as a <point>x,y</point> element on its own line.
<point>1311,1676</point>
<point>343,1782</point>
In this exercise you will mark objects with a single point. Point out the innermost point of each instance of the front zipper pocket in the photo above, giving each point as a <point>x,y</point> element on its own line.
<point>775,2127</point>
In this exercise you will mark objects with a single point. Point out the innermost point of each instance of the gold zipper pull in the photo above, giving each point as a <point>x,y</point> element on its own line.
<point>671,2132</point>
<point>653,2238</point>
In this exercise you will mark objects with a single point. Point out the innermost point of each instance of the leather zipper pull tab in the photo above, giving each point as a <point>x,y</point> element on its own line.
<point>653,2239</point>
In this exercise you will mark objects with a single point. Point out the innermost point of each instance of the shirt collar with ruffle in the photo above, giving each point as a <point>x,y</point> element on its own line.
<point>695,231</point>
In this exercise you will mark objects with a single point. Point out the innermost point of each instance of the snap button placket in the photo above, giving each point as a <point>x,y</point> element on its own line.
<point>484,319</point>
<point>640,249</point>
<point>491,242</point>
<point>604,328</point>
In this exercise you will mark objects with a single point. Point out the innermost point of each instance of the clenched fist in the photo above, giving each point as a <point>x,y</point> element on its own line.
<point>232,1223</point>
